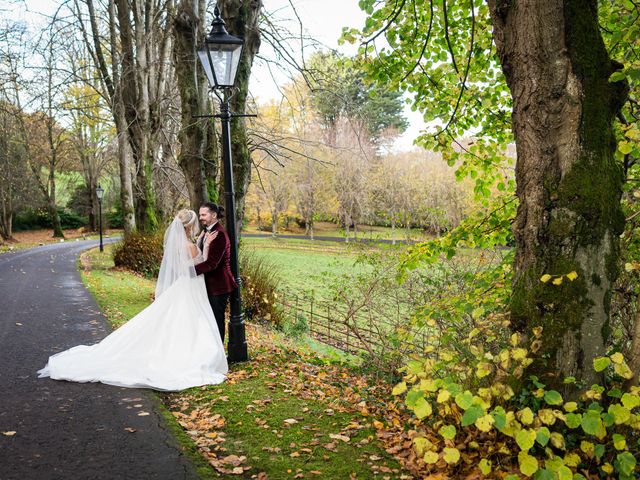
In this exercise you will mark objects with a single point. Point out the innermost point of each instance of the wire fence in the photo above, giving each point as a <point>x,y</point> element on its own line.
<point>357,327</point>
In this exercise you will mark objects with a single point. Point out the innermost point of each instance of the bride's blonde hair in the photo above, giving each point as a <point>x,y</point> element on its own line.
<point>189,220</point>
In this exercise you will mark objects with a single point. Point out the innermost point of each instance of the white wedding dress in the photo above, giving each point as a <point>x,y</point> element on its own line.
<point>171,345</point>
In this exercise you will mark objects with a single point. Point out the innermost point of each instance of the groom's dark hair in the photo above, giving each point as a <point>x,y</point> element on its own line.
<point>217,209</point>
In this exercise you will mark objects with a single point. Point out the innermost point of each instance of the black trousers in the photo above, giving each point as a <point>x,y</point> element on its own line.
<point>219,306</point>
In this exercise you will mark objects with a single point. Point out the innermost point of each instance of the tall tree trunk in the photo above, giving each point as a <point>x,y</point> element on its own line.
<point>6,222</point>
<point>136,107</point>
<point>197,135</point>
<point>557,69</point>
<point>51,185</point>
<point>126,186</point>
<point>274,223</point>
<point>241,17</point>
<point>112,90</point>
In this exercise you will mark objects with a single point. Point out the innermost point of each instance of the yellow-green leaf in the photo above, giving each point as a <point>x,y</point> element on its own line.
<point>623,370</point>
<point>625,463</point>
<point>557,440</point>
<point>483,369</point>
<point>430,457</point>
<point>620,413</point>
<point>592,424</point>
<point>570,407</point>
<point>518,353</point>
<point>542,436</point>
<point>464,400</point>
<point>625,147</point>
<point>528,464</point>
<point>630,401</point>
<point>572,460</point>
<point>451,455</point>
<point>448,432</point>
<point>587,447</point>
<point>443,396</point>
<point>619,442</point>
<point>600,363</point>
<point>564,473</point>
<point>421,444</point>
<point>573,420</point>
<point>485,466</point>
<point>485,423</point>
<point>399,388</point>
<point>617,358</point>
<point>546,416</point>
<point>553,398</point>
<point>525,438</point>
<point>526,416</point>
<point>422,408</point>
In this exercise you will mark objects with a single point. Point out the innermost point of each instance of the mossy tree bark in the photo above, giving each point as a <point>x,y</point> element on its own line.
<point>198,156</point>
<point>146,44</point>
<point>568,183</point>
<point>241,17</point>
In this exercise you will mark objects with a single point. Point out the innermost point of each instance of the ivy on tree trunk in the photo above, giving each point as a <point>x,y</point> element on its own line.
<point>198,156</point>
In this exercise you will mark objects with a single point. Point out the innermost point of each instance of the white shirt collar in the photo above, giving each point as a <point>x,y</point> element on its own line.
<point>210,227</point>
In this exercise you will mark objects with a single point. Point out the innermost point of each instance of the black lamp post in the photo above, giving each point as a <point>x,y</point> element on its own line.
<point>100,194</point>
<point>220,56</point>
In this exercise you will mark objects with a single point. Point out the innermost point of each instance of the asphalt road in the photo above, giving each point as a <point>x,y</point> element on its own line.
<point>68,430</point>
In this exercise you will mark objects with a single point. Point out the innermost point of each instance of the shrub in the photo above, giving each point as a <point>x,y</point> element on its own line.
<point>259,282</point>
<point>114,219</point>
<point>32,219</point>
<point>70,219</point>
<point>475,412</point>
<point>141,253</point>
<point>36,219</point>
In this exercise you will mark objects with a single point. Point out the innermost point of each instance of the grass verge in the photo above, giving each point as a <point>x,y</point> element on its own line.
<point>288,413</point>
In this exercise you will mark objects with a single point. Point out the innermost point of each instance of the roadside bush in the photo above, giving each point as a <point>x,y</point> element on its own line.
<point>259,282</point>
<point>31,219</point>
<point>70,219</point>
<point>38,218</point>
<point>477,414</point>
<point>114,219</point>
<point>140,253</point>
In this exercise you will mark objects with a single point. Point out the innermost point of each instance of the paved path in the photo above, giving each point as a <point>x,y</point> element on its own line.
<point>68,430</point>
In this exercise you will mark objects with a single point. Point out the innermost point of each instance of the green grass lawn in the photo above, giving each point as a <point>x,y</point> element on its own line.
<point>284,436</point>
<point>306,266</point>
<point>328,229</point>
<point>262,415</point>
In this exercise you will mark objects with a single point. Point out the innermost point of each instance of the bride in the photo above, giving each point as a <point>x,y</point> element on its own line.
<point>172,344</point>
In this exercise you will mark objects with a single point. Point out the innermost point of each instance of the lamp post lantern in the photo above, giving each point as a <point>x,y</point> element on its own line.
<point>220,56</point>
<point>100,194</point>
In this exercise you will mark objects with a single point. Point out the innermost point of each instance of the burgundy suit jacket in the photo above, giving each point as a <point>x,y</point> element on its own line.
<point>216,268</point>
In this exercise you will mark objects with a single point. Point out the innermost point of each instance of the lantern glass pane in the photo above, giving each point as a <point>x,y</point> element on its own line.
<point>220,62</point>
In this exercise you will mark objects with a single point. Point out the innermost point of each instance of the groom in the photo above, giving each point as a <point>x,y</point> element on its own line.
<point>216,267</point>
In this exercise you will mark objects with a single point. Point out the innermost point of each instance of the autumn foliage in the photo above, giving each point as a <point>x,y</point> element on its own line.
<point>477,412</point>
<point>140,253</point>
